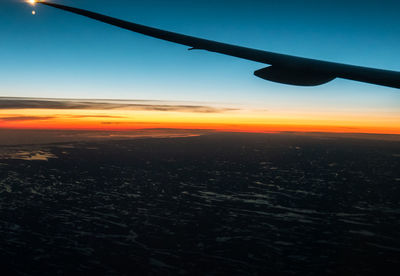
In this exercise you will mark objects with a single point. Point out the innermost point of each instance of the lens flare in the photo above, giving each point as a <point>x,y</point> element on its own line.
<point>33,12</point>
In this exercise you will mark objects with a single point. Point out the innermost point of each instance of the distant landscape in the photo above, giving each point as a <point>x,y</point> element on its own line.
<point>43,136</point>
<point>217,203</point>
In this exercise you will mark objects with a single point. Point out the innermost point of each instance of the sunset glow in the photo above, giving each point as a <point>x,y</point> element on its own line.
<point>194,89</point>
<point>131,115</point>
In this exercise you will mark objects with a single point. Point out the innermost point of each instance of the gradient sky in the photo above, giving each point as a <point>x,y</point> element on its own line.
<point>55,54</point>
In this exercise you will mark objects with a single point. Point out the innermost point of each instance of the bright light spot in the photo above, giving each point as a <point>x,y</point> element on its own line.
<point>32,2</point>
<point>33,12</point>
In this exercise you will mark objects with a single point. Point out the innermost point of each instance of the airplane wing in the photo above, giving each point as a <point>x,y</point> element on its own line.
<point>282,68</point>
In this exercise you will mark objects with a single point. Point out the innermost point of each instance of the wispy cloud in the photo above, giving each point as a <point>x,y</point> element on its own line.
<point>111,123</point>
<point>25,118</point>
<point>93,116</point>
<point>71,104</point>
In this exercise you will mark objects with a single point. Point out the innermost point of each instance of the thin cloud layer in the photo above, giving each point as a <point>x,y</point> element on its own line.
<point>28,103</point>
<point>25,118</point>
<point>93,116</point>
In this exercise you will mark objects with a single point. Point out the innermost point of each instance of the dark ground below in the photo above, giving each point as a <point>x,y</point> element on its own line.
<point>211,205</point>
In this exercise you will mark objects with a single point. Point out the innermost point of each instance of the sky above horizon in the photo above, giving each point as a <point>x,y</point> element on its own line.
<point>55,54</point>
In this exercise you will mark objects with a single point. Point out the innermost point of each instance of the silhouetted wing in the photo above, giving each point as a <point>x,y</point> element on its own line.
<point>284,68</point>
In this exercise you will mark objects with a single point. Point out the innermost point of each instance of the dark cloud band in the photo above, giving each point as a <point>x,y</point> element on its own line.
<point>27,103</point>
<point>25,118</point>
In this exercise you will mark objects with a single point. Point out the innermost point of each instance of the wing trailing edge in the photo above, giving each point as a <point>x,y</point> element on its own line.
<point>285,69</point>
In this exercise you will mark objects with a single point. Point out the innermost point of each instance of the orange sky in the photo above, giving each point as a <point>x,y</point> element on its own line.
<point>130,115</point>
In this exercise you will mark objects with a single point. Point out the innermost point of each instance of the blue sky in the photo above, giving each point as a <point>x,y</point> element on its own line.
<point>57,54</point>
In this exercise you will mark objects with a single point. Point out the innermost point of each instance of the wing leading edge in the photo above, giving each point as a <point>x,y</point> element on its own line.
<point>283,68</point>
